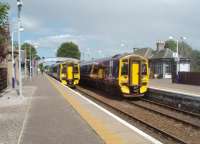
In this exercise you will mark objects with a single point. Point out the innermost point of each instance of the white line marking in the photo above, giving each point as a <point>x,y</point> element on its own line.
<point>175,91</point>
<point>148,137</point>
<point>24,122</point>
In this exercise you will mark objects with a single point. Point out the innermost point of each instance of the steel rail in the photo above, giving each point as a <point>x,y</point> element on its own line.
<point>164,114</point>
<point>196,115</point>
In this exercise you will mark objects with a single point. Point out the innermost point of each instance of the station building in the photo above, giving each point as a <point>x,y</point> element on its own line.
<point>162,61</point>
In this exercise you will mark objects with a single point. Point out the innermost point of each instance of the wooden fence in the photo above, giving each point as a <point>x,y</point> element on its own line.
<point>192,78</point>
<point>3,78</point>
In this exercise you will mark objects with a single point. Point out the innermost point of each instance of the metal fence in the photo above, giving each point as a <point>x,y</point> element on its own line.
<point>3,78</point>
<point>192,78</point>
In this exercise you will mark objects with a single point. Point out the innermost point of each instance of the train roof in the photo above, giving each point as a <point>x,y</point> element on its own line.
<point>115,57</point>
<point>68,60</point>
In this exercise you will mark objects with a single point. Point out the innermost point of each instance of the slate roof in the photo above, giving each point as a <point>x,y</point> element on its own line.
<point>145,52</point>
<point>149,53</point>
<point>165,53</point>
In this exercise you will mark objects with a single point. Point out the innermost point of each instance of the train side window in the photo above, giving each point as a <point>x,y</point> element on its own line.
<point>124,70</point>
<point>54,69</point>
<point>115,68</point>
<point>144,69</point>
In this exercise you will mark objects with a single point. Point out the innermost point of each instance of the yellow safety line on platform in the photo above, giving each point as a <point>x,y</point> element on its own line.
<point>97,125</point>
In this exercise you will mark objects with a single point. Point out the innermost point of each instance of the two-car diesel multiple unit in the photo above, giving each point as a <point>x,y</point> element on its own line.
<point>126,74</point>
<point>68,73</point>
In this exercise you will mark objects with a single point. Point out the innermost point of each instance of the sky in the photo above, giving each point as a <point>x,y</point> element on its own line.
<point>106,27</point>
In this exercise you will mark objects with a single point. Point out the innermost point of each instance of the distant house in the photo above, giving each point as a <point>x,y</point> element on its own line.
<point>161,61</point>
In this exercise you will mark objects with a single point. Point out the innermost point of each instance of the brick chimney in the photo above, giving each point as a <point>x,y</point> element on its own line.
<point>160,45</point>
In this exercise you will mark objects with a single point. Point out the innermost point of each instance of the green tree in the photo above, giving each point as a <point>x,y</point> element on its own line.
<point>68,49</point>
<point>27,47</point>
<point>37,57</point>
<point>3,14</point>
<point>184,48</point>
<point>15,44</point>
<point>4,35</point>
<point>41,67</point>
<point>171,44</point>
<point>195,61</point>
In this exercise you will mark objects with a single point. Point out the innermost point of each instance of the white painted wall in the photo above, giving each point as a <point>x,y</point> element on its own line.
<point>184,67</point>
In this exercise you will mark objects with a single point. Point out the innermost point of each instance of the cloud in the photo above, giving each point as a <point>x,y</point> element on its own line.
<point>51,43</point>
<point>104,24</point>
<point>30,24</point>
<point>56,40</point>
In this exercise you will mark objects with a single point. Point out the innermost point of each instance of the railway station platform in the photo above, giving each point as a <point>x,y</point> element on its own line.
<point>168,86</point>
<point>58,114</point>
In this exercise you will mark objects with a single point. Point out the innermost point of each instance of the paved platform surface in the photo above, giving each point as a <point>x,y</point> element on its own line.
<point>50,113</point>
<point>12,114</point>
<point>51,120</point>
<point>167,85</point>
<point>109,127</point>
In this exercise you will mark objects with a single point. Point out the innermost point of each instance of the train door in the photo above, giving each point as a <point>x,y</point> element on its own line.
<point>69,72</point>
<point>135,67</point>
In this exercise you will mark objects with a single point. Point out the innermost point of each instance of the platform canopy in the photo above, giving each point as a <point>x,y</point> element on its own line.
<point>58,59</point>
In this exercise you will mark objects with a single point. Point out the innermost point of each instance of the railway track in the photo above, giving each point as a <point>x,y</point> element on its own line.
<point>169,112</point>
<point>172,108</point>
<point>170,126</point>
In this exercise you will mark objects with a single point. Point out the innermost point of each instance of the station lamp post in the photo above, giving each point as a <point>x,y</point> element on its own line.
<point>177,51</point>
<point>13,59</point>
<point>123,45</point>
<point>19,5</point>
<point>30,62</point>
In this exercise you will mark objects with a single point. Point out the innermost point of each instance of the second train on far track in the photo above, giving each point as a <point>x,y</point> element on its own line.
<point>68,72</point>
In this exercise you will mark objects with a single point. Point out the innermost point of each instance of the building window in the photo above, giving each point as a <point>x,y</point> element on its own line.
<point>168,68</point>
<point>158,68</point>
<point>144,69</point>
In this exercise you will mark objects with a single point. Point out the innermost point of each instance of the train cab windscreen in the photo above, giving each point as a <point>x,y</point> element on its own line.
<point>75,69</point>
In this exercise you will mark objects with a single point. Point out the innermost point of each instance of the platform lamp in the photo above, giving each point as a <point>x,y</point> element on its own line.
<point>124,45</point>
<point>19,5</point>
<point>13,59</point>
<point>31,67</point>
<point>177,50</point>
